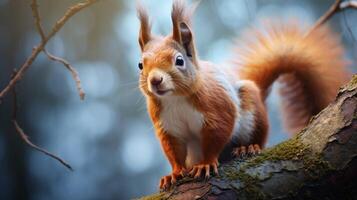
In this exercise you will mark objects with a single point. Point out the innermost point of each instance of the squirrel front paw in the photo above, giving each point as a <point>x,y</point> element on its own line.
<point>167,181</point>
<point>243,151</point>
<point>204,169</point>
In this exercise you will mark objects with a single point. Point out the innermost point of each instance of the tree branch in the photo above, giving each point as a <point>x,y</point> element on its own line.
<point>337,7</point>
<point>25,138</point>
<point>41,46</point>
<point>319,163</point>
<point>37,17</point>
<point>17,76</point>
<point>71,69</point>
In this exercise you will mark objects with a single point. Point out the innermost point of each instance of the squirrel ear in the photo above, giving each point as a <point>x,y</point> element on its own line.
<point>145,28</point>
<point>181,20</point>
<point>186,39</point>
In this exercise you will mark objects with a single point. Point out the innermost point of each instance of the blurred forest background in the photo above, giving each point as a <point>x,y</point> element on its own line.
<point>108,138</point>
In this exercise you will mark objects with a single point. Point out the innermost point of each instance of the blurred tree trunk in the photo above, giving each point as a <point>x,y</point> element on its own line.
<point>319,163</point>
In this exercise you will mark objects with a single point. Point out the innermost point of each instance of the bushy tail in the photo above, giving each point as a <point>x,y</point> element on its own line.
<point>309,67</point>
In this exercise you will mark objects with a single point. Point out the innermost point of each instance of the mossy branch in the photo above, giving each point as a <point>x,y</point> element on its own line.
<point>319,162</point>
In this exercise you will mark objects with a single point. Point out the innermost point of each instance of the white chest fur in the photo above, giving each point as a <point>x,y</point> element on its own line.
<point>180,119</point>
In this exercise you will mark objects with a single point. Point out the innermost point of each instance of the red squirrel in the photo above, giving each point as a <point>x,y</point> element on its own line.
<point>201,111</point>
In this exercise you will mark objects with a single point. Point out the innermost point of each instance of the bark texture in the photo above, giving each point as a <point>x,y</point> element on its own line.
<point>319,163</point>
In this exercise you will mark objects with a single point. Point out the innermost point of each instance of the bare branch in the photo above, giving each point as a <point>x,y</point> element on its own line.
<point>17,75</point>
<point>40,47</point>
<point>333,9</point>
<point>71,69</point>
<point>337,7</point>
<point>348,4</point>
<point>69,13</point>
<point>25,138</point>
<point>37,17</point>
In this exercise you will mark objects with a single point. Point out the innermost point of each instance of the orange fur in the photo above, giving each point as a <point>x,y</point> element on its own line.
<point>252,101</point>
<point>311,68</point>
<point>219,120</point>
<point>174,149</point>
<point>220,115</point>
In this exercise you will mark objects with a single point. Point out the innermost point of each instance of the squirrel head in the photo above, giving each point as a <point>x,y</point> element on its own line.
<point>168,64</point>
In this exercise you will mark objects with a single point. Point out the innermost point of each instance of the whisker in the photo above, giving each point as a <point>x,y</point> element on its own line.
<point>128,83</point>
<point>140,100</point>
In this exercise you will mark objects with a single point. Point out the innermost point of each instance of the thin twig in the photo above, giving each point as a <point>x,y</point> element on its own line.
<point>348,4</point>
<point>69,13</point>
<point>338,6</point>
<point>37,18</point>
<point>17,75</point>
<point>25,138</point>
<point>71,69</point>
<point>332,10</point>
<point>40,47</point>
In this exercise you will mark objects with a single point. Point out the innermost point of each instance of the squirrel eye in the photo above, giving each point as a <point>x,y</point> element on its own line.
<point>140,65</point>
<point>179,61</point>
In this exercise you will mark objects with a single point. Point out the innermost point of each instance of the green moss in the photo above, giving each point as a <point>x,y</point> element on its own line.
<point>292,149</point>
<point>229,172</point>
<point>247,183</point>
<point>315,166</point>
<point>352,84</point>
<point>354,80</point>
<point>157,196</point>
<point>243,182</point>
<point>250,186</point>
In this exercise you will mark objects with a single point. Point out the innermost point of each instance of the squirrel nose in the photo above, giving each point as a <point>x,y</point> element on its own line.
<point>156,81</point>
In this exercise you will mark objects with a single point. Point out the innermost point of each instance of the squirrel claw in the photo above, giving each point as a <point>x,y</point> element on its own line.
<point>244,151</point>
<point>167,181</point>
<point>204,169</point>
<point>185,172</point>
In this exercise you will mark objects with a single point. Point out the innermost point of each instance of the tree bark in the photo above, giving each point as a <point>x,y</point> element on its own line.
<point>318,163</point>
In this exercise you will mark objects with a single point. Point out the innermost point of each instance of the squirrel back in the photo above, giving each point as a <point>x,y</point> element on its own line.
<point>309,67</point>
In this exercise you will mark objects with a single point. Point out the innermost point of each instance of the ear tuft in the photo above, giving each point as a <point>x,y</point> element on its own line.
<point>145,28</point>
<point>181,13</point>
<point>181,21</point>
<point>177,16</point>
